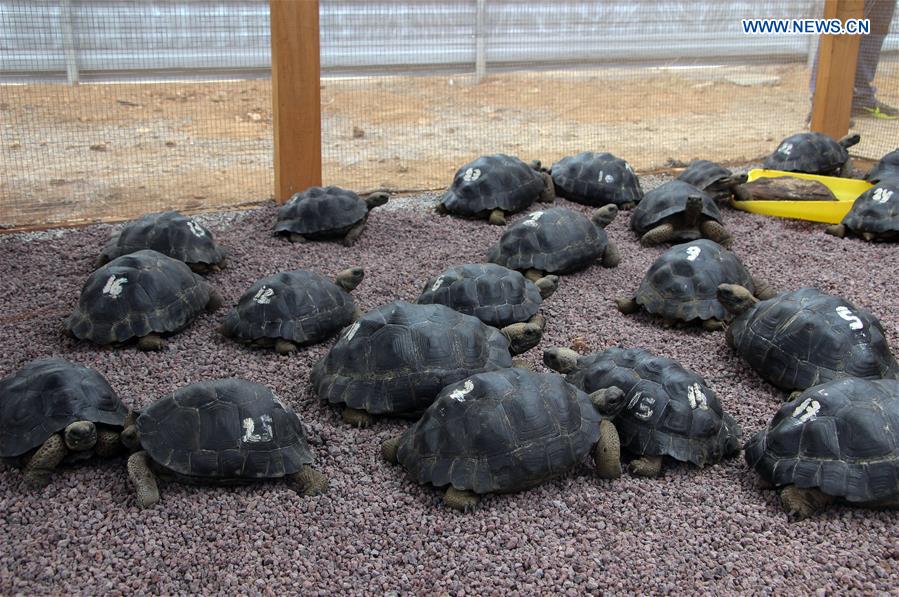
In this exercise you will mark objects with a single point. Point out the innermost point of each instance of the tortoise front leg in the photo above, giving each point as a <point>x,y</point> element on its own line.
<point>296,238</point>
<point>714,231</point>
<point>533,275</point>
<point>607,451</point>
<point>353,234</point>
<point>647,466</point>
<point>45,460</point>
<point>283,346</point>
<point>712,325</point>
<point>611,257</point>
<point>497,217</point>
<point>658,235</point>
<point>763,289</point>
<point>837,230</point>
<point>356,418</point>
<point>389,449</point>
<point>151,342</point>
<point>109,443</point>
<point>309,481</point>
<point>441,209</point>
<point>627,205</point>
<point>458,499</point>
<point>802,503</point>
<point>143,479</point>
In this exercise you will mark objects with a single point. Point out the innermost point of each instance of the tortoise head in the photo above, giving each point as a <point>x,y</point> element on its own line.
<point>523,336</point>
<point>735,298</point>
<point>603,216</point>
<point>348,279</point>
<point>80,436</point>
<point>609,401</point>
<point>547,285</point>
<point>562,360</point>
<point>376,200</point>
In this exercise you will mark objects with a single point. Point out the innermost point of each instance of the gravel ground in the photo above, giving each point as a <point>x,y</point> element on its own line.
<point>691,530</point>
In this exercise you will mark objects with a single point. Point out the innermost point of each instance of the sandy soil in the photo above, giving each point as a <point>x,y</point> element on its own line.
<point>113,151</point>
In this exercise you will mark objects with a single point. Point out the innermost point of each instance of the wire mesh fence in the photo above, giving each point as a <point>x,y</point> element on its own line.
<point>112,108</point>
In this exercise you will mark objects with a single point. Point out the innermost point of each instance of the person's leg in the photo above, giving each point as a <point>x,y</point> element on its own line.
<point>880,14</point>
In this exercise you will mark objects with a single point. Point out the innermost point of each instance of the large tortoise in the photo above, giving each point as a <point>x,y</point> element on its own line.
<point>714,179</point>
<point>682,285</point>
<point>141,295</point>
<point>874,215</point>
<point>169,233</point>
<point>395,359</point>
<point>670,410</point>
<point>495,185</point>
<point>886,168</point>
<point>803,338</point>
<point>496,295</point>
<point>597,179</point>
<point>293,308</point>
<point>557,241</point>
<point>678,211</point>
<point>322,213</point>
<point>505,431</point>
<point>834,441</point>
<point>52,411</point>
<point>225,432</point>
<point>813,153</point>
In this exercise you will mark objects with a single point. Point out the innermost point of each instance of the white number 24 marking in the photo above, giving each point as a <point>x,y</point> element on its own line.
<point>881,195</point>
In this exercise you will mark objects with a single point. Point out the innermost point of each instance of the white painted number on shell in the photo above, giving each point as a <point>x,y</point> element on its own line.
<point>531,220</point>
<point>251,435</point>
<point>854,322</point>
<point>351,331</point>
<point>697,398</point>
<point>196,229</point>
<point>807,411</point>
<point>641,405</point>
<point>606,178</point>
<point>437,284</point>
<point>264,296</point>
<point>693,252</point>
<point>114,285</point>
<point>786,148</point>
<point>881,195</point>
<point>471,174</point>
<point>459,395</point>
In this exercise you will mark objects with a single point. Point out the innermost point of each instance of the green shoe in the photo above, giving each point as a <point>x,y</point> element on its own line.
<point>878,110</point>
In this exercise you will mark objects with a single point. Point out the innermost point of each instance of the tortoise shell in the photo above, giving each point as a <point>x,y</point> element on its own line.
<point>596,179</point>
<point>839,437</point>
<point>47,395</point>
<point>709,177</point>
<point>500,431</point>
<point>492,182</point>
<point>226,429</point>
<point>683,282</point>
<point>396,358</point>
<point>669,200</point>
<point>812,153</point>
<point>301,306</point>
<point>670,411</point>
<point>799,339</point>
<point>876,210</point>
<point>135,295</point>
<point>556,241</point>
<point>169,233</point>
<point>321,212</point>
<point>496,295</point>
<point>887,167</point>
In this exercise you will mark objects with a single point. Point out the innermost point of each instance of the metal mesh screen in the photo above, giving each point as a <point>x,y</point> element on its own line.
<point>112,108</point>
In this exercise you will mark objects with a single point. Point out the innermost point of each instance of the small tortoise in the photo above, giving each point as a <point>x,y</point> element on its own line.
<point>799,339</point>
<point>682,284</point>
<point>670,410</point>
<point>294,308</point>
<point>321,213</point>
<point>171,234</point>
<point>556,241</point>
<point>886,168</point>
<point>395,359</point>
<point>714,179</point>
<point>834,441</point>
<point>597,179</point>
<point>223,431</point>
<point>496,295</point>
<point>874,214</point>
<point>678,211</point>
<point>140,295</point>
<point>52,411</point>
<point>506,431</point>
<point>495,185</point>
<point>813,153</point>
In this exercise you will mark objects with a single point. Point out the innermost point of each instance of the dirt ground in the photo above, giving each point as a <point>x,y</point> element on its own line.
<point>112,151</point>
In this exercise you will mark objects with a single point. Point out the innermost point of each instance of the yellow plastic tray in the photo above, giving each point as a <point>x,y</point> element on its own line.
<point>846,190</point>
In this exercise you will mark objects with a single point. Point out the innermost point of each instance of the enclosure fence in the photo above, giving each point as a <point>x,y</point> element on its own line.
<point>113,108</point>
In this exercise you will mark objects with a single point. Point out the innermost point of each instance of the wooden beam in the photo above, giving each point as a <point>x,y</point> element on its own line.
<point>296,96</point>
<point>837,59</point>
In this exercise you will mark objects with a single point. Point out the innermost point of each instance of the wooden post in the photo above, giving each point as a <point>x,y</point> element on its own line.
<point>837,59</point>
<point>296,96</point>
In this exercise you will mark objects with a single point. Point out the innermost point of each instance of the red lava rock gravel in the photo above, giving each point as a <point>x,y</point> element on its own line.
<point>691,530</point>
